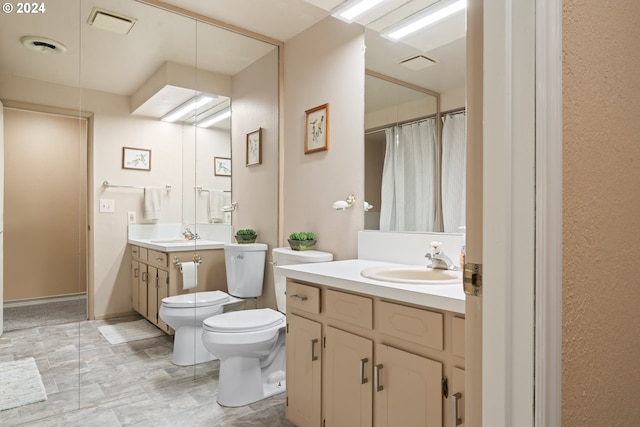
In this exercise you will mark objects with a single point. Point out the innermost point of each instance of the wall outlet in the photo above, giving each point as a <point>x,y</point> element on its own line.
<point>131,217</point>
<point>107,206</point>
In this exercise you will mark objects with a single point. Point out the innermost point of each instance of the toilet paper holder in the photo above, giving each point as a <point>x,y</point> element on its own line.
<point>196,258</point>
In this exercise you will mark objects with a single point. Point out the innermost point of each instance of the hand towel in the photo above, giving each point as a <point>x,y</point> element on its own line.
<point>216,203</point>
<point>152,203</point>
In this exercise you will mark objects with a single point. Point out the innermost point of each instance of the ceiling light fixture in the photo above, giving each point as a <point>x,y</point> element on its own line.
<point>214,118</point>
<point>187,109</point>
<point>424,18</point>
<point>350,10</point>
<point>43,44</point>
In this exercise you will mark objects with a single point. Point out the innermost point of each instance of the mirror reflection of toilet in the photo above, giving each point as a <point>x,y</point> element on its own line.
<point>251,343</point>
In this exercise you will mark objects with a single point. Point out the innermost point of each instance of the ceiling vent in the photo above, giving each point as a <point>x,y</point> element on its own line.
<point>43,45</point>
<point>417,62</point>
<point>110,21</point>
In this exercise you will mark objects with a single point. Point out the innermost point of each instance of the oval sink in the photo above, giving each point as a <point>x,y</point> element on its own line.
<point>412,274</point>
<point>171,241</point>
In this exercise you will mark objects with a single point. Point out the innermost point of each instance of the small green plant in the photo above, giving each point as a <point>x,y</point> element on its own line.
<point>246,232</point>
<point>303,235</point>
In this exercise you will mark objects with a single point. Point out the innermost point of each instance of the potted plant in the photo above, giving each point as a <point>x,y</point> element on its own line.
<point>302,241</point>
<point>246,235</point>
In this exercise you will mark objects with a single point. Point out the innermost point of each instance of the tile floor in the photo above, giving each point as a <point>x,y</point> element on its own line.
<point>91,382</point>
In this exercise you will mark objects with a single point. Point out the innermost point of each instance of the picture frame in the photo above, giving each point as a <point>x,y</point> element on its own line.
<point>317,129</point>
<point>222,166</point>
<point>136,158</point>
<point>254,147</point>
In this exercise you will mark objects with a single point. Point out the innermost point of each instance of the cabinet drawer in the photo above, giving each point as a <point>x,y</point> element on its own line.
<point>303,297</point>
<point>411,324</point>
<point>139,253</point>
<point>349,308</point>
<point>158,259</point>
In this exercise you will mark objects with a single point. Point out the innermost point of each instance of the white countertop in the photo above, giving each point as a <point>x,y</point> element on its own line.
<point>177,245</point>
<point>346,275</point>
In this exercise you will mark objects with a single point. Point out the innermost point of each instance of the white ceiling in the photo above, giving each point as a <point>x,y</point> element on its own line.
<point>122,63</point>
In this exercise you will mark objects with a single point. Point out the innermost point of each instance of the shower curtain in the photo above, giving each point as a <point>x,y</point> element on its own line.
<point>409,178</point>
<point>453,171</point>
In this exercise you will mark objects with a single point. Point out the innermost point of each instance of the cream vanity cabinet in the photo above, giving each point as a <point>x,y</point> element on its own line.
<point>357,360</point>
<point>155,275</point>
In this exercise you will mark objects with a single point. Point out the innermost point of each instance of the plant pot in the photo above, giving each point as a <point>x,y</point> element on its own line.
<point>302,245</point>
<point>246,238</point>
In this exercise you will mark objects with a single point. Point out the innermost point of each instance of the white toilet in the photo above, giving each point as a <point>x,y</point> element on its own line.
<point>250,343</point>
<point>185,313</point>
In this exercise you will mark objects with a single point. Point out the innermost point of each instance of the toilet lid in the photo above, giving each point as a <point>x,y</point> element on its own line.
<point>197,299</point>
<point>245,320</point>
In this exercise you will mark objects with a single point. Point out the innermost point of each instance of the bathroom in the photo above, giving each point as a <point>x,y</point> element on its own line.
<point>293,214</point>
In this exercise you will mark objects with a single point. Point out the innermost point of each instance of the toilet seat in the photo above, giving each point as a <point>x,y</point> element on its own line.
<point>197,299</point>
<point>244,321</point>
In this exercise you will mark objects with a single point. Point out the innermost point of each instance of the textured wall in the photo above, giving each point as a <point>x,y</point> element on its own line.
<point>601,249</point>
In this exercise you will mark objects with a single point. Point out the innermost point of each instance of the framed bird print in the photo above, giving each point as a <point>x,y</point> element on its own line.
<point>317,129</point>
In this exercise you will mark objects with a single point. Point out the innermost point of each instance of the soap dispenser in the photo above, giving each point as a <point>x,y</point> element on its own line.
<point>463,249</point>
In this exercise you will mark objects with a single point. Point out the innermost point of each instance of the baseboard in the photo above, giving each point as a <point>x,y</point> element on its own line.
<point>115,315</point>
<point>42,300</point>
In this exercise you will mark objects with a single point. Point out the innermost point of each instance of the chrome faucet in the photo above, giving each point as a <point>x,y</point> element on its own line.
<point>438,258</point>
<point>190,235</point>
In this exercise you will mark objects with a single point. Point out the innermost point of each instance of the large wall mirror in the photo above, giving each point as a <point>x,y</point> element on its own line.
<point>117,69</point>
<point>414,125</point>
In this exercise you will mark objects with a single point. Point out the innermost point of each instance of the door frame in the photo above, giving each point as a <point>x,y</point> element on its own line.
<point>522,248</point>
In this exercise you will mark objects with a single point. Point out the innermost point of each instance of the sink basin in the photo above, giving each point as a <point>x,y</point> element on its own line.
<point>171,241</point>
<point>412,274</point>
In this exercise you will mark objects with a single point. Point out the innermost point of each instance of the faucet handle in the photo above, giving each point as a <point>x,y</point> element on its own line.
<point>435,246</point>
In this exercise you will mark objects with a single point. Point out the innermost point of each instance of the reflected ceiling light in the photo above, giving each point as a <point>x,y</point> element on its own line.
<point>187,109</point>
<point>214,118</point>
<point>424,18</point>
<point>350,10</point>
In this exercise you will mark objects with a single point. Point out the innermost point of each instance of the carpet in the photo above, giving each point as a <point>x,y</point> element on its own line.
<point>44,314</point>
<point>129,331</point>
<point>20,384</point>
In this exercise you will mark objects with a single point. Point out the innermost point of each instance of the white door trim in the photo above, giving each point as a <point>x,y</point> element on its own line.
<point>508,213</point>
<point>548,366</point>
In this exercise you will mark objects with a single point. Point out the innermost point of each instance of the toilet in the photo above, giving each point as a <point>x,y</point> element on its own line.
<point>185,313</point>
<point>251,343</point>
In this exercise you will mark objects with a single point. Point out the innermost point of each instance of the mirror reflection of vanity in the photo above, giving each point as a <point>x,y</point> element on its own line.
<point>407,83</point>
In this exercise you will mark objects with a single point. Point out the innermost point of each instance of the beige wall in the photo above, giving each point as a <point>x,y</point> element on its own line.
<point>601,224</point>
<point>325,64</point>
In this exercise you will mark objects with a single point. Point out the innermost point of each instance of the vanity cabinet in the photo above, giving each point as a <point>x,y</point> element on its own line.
<point>357,360</point>
<point>156,275</point>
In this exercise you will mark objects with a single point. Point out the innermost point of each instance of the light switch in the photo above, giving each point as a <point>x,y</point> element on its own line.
<point>107,206</point>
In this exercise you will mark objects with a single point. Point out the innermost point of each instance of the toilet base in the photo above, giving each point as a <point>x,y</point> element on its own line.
<point>241,382</point>
<point>188,348</point>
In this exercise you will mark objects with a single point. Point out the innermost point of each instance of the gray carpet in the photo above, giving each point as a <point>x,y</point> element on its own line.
<point>49,313</point>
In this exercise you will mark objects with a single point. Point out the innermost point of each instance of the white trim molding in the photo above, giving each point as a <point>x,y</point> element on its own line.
<point>548,366</point>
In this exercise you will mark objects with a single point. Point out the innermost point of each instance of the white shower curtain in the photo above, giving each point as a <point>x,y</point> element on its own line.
<point>409,178</point>
<point>453,171</point>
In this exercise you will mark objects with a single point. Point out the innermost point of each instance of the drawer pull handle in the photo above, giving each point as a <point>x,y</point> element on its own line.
<point>313,349</point>
<point>376,377</point>
<point>298,298</point>
<point>136,272</point>
<point>363,362</point>
<point>456,421</point>
<point>159,259</point>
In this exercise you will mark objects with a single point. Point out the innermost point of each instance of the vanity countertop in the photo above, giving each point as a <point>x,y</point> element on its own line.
<point>177,245</point>
<point>345,275</point>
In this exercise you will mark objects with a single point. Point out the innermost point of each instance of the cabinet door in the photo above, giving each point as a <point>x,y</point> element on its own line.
<point>347,379</point>
<point>143,282</point>
<point>304,358</point>
<point>135,283</point>
<point>163,292</point>
<point>407,389</point>
<point>152,295</point>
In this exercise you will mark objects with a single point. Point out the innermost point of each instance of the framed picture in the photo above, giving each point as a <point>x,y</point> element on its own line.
<point>222,166</point>
<point>317,125</point>
<point>254,147</point>
<point>136,158</point>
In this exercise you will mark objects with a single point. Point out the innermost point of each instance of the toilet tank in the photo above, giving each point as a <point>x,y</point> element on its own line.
<point>244,263</point>
<point>287,256</point>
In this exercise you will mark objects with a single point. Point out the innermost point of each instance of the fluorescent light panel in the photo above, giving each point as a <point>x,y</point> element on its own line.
<point>424,18</point>
<point>350,10</point>
<point>187,109</point>
<point>214,118</point>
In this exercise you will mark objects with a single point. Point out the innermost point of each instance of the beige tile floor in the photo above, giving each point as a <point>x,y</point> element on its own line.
<point>90,382</point>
